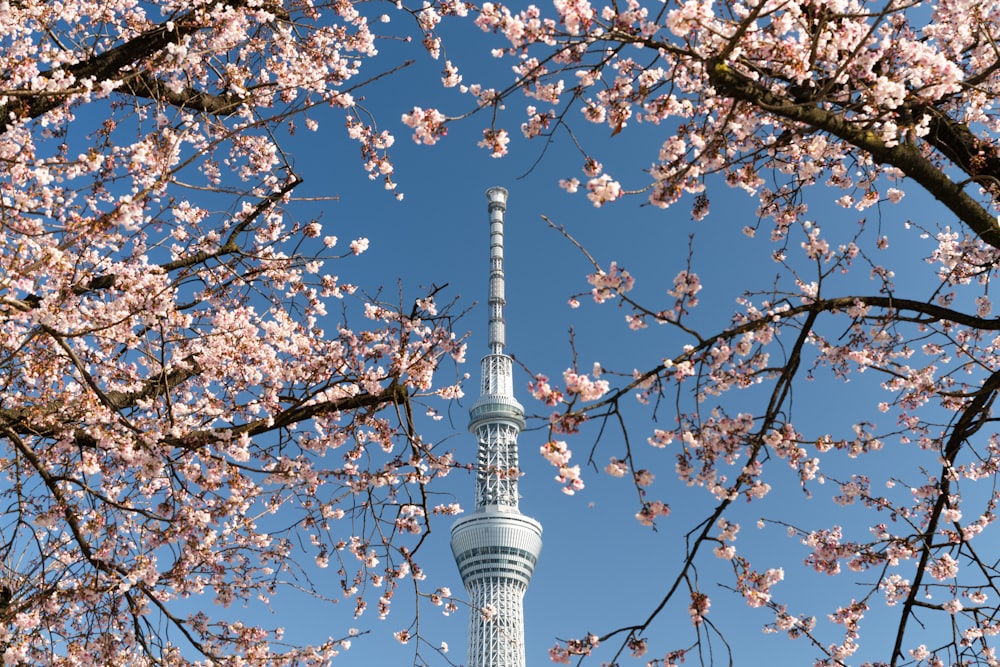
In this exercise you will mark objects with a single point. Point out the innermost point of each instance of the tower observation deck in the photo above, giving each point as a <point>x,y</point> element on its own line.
<point>496,547</point>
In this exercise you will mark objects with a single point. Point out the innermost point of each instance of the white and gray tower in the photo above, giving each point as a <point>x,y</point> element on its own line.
<point>496,547</point>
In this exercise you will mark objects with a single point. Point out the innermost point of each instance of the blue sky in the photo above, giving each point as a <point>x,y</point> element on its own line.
<point>599,569</point>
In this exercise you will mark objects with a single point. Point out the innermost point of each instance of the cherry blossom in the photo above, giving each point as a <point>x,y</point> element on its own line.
<point>428,125</point>
<point>793,106</point>
<point>186,414</point>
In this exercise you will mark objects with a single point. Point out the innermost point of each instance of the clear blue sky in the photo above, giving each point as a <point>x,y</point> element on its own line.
<point>599,568</point>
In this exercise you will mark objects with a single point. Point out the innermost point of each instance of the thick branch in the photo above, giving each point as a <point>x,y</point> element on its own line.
<point>394,394</point>
<point>146,85</point>
<point>957,142</point>
<point>153,387</point>
<point>34,421</point>
<point>114,64</point>
<point>904,156</point>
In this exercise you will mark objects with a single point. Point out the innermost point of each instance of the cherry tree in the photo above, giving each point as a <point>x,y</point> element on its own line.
<point>801,106</point>
<point>181,415</point>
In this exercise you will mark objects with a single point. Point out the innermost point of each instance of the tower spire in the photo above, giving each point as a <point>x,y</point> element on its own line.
<point>496,547</point>
<point>497,197</point>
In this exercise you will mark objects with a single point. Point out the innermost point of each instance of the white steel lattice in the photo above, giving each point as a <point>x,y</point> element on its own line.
<point>496,547</point>
<point>498,376</point>
<point>496,624</point>
<point>496,465</point>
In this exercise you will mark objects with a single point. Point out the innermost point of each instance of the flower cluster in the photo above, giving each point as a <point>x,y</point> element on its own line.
<point>543,391</point>
<point>608,284</point>
<point>581,385</point>
<point>428,125</point>
<point>556,453</point>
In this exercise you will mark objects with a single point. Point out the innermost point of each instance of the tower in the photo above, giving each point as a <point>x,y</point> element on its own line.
<point>496,547</point>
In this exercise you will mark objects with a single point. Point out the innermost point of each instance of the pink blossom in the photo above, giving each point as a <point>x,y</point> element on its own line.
<point>543,391</point>
<point>943,568</point>
<point>644,477</point>
<point>569,185</point>
<point>592,167</point>
<point>537,124</point>
<point>661,438</point>
<point>582,385</point>
<point>608,284</point>
<point>698,608</point>
<point>576,15</point>
<point>692,15</point>
<point>569,477</point>
<point>428,125</point>
<point>603,190</point>
<point>496,141</point>
<point>651,511</point>
<point>556,453</point>
<point>686,286</point>
<point>953,606</point>
<point>724,551</point>
<point>616,468</point>
<point>358,246</point>
<point>450,76</point>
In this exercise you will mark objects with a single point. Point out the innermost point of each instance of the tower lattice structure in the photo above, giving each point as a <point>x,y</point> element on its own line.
<point>496,547</point>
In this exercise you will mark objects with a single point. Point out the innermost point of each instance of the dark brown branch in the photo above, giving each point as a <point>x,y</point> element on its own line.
<point>120,400</point>
<point>394,394</point>
<point>904,156</point>
<point>957,143</point>
<point>146,85</point>
<point>970,420</point>
<point>231,246</point>
<point>107,66</point>
<point>32,421</point>
<point>932,312</point>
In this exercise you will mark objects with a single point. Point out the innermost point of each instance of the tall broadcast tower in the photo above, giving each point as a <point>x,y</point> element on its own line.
<point>496,547</point>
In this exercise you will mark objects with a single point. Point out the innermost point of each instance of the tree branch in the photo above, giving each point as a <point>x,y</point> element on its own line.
<point>115,62</point>
<point>395,394</point>
<point>969,421</point>
<point>148,86</point>
<point>930,310</point>
<point>904,156</point>
<point>20,420</point>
